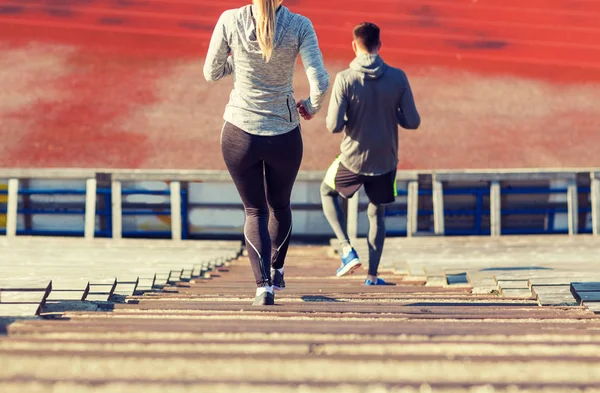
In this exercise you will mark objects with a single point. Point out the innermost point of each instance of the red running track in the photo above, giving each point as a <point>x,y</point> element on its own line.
<point>117,83</point>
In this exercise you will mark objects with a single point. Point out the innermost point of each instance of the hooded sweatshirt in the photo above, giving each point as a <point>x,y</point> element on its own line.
<point>262,100</point>
<point>369,100</point>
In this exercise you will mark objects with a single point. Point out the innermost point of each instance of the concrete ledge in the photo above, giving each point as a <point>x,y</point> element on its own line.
<point>154,174</point>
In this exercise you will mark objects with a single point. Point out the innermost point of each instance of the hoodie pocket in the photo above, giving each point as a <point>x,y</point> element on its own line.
<point>289,108</point>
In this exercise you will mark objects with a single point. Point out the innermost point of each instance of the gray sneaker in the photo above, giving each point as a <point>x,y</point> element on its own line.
<point>278,281</point>
<point>264,299</point>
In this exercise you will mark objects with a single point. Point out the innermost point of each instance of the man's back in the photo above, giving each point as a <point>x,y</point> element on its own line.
<point>369,100</point>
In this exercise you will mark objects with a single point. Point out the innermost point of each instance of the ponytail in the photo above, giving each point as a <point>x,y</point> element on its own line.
<point>265,25</point>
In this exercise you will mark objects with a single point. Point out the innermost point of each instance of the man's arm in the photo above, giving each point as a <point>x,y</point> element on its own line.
<point>407,114</point>
<point>218,63</point>
<point>338,104</point>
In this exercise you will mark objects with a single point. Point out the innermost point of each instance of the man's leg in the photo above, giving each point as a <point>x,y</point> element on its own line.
<point>381,191</point>
<point>376,239</point>
<point>340,181</point>
<point>335,215</point>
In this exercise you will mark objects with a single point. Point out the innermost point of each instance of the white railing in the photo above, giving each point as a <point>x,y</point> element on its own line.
<point>494,177</point>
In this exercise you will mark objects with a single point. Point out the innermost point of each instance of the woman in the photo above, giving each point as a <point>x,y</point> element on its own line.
<point>261,140</point>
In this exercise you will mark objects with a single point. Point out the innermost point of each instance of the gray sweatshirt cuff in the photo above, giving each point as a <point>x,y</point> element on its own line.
<point>309,107</point>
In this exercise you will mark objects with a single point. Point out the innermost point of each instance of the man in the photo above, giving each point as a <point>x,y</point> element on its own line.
<point>368,101</point>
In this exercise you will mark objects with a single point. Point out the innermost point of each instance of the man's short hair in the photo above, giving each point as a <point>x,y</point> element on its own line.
<point>367,34</point>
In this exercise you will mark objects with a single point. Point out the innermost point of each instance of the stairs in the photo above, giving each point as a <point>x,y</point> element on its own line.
<point>328,334</point>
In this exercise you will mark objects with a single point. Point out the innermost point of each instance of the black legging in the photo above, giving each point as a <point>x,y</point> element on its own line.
<point>257,163</point>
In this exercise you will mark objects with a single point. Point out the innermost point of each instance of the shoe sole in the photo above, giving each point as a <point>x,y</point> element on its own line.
<point>349,268</point>
<point>278,288</point>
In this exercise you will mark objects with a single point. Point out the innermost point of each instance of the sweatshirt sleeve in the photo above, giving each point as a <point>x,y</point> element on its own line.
<point>338,105</point>
<point>407,114</point>
<point>312,59</point>
<point>218,63</point>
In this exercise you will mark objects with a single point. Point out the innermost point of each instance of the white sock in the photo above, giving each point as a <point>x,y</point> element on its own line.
<point>280,270</point>
<point>346,250</point>
<point>261,290</point>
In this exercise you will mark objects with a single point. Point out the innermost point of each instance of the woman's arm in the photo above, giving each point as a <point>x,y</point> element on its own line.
<point>218,63</point>
<point>312,59</point>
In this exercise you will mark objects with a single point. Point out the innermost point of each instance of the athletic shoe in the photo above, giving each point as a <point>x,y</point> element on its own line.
<point>378,282</point>
<point>278,281</point>
<point>349,264</point>
<point>264,298</point>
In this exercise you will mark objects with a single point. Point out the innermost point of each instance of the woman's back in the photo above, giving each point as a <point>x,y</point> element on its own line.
<point>262,101</point>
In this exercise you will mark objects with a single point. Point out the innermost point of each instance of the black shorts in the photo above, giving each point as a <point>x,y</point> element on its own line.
<point>380,189</point>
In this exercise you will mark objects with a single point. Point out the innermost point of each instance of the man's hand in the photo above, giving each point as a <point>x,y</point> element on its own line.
<point>302,111</point>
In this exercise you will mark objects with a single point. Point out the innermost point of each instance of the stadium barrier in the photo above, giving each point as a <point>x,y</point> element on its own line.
<point>440,203</point>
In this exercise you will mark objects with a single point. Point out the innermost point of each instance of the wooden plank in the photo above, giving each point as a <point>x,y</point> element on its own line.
<point>67,295</point>
<point>516,293</point>
<point>12,208</point>
<point>586,286</point>
<point>174,276</point>
<point>512,283</point>
<point>554,295</point>
<point>417,272</point>
<point>595,307</point>
<point>495,209</point>
<point>101,289</point>
<point>559,280</point>
<point>117,210</point>
<point>586,297</point>
<point>90,208</point>
<point>482,284</point>
<point>26,296</point>
<point>126,288</point>
<point>17,296</point>
<point>176,218</point>
<point>19,309</point>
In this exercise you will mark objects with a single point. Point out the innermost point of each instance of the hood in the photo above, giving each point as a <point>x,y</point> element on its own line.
<point>246,27</point>
<point>370,65</point>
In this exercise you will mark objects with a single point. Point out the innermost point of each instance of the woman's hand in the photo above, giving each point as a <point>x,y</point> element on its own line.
<point>302,111</point>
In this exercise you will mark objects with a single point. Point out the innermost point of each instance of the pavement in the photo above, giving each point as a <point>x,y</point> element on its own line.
<point>421,334</point>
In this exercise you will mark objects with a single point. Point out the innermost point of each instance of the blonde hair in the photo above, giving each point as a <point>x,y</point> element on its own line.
<point>265,25</point>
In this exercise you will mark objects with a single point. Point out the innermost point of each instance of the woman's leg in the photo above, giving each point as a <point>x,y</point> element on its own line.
<point>241,152</point>
<point>282,162</point>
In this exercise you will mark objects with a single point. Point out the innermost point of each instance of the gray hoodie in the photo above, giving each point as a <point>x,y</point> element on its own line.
<point>262,100</point>
<point>369,100</point>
